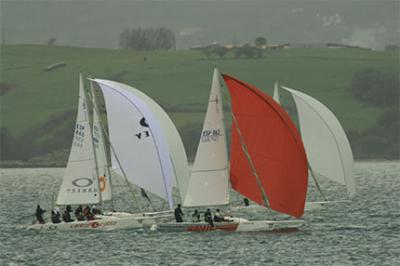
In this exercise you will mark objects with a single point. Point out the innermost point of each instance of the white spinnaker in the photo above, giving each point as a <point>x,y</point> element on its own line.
<point>174,141</point>
<point>208,184</point>
<point>101,156</point>
<point>327,147</point>
<point>80,184</point>
<point>138,141</point>
<point>276,96</point>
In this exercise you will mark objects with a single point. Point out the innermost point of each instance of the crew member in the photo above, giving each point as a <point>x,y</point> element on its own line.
<point>178,214</point>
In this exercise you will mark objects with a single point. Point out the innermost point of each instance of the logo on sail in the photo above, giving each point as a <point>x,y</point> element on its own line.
<point>210,135</point>
<point>102,183</point>
<point>144,133</point>
<point>143,122</point>
<point>82,182</point>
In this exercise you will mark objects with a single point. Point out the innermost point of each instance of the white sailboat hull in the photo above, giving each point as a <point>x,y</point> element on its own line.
<point>109,221</point>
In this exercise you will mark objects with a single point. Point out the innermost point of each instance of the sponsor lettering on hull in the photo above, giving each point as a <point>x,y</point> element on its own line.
<point>205,228</point>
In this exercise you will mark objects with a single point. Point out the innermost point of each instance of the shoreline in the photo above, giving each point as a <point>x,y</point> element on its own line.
<point>20,164</point>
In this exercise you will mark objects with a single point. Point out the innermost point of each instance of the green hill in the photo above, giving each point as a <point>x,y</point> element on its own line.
<point>36,103</point>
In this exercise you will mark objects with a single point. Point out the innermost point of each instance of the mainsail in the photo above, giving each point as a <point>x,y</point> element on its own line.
<point>267,154</point>
<point>101,155</point>
<point>138,140</point>
<point>208,183</point>
<point>328,149</point>
<point>80,183</point>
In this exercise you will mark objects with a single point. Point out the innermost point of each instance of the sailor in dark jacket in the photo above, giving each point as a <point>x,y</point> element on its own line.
<point>208,217</point>
<point>55,216</point>
<point>178,214</point>
<point>39,213</point>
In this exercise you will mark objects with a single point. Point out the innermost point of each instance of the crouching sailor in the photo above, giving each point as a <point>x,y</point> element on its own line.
<point>55,216</point>
<point>67,214</point>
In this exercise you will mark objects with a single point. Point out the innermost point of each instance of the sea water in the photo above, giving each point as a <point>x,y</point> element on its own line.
<point>365,231</point>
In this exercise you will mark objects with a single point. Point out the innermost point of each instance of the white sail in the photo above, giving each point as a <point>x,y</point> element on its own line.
<point>174,141</point>
<point>138,140</point>
<point>208,183</point>
<point>327,147</point>
<point>80,184</point>
<point>276,96</point>
<point>101,156</point>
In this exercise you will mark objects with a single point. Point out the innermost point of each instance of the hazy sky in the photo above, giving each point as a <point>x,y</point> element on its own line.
<point>94,23</point>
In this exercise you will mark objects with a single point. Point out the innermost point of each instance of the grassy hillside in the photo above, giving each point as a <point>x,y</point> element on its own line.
<point>180,80</point>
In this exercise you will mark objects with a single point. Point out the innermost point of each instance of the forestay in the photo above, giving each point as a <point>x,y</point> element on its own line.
<point>80,184</point>
<point>101,156</point>
<point>208,184</point>
<point>266,151</point>
<point>138,140</point>
<point>328,149</point>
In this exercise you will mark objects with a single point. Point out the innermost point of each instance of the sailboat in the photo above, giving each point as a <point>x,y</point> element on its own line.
<point>208,184</point>
<point>87,178</point>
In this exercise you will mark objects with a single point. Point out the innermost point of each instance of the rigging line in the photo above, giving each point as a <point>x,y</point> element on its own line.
<point>314,176</point>
<point>94,105</point>
<point>117,159</point>
<point>245,151</point>
<point>210,170</point>
<point>144,195</point>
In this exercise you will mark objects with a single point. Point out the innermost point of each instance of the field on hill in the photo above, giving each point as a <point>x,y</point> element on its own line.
<point>33,98</point>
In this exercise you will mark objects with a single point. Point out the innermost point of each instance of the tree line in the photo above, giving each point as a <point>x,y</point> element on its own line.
<point>147,39</point>
<point>380,90</point>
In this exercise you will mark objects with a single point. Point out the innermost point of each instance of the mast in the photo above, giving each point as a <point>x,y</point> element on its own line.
<point>93,148</point>
<point>96,111</point>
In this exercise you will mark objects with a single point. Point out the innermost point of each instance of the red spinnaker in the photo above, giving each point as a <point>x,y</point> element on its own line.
<point>275,148</point>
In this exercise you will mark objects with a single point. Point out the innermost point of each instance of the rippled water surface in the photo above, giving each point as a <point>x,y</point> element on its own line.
<point>365,231</point>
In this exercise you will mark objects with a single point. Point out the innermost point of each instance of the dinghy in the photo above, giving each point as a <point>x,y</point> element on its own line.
<point>208,184</point>
<point>145,158</point>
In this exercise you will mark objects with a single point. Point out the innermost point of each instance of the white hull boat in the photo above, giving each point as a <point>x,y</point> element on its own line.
<point>109,221</point>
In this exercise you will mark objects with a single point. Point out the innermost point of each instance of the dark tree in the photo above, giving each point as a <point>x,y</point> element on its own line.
<point>260,41</point>
<point>51,41</point>
<point>220,51</point>
<point>147,39</point>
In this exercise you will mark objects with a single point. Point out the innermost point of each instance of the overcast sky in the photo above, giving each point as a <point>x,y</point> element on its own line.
<point>94,23</point>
